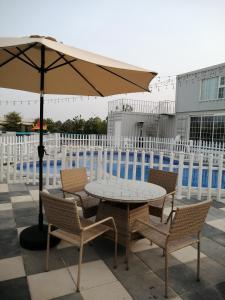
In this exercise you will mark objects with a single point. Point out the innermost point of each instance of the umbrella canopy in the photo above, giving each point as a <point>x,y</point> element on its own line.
<point>43,65</point>
<point>67,70</point>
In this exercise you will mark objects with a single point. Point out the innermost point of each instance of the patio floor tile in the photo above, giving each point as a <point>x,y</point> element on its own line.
<point>93,274</point>
<point>19,187</point>
<point>4,188</point>
<point>203,294</point>
<point>34,194</point>
<point>34,261</point>
<point>25,198</point>
<point>74,296</point>
<point>5,206</point>
<point>219,224</point>
<point>5,198</point>
<point>110,291</point>
<point>9,244</point>
<point>187,254</point>
<point>6,219</point>
<point>15,289</point>
<point>70,255</point>
<point>50,284</point>
<point>11,268</point>
<point>141,245</point>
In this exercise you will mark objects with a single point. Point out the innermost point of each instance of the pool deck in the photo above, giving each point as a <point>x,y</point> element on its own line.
<point>22,274</point>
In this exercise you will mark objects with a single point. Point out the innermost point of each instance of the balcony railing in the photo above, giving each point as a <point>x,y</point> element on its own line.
<point>139,106</point>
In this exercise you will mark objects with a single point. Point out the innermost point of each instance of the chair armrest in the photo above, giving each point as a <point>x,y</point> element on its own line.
<point>152,227</point>
<point>100,222</point>
<point>72,193</point>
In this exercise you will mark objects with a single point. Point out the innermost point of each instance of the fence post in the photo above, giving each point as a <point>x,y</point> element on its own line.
<point>47,170</point>
<point>143,165</point>
<point>191,161</point>
<point>126,164</point>
<point>1,162</point>
<point>180,176</point>
<point>161,161</point>
<point>99,164</point>
<point>118,164</point>
<point>134,165</point>
<point>64,154</point>
<point>210,170</point>
<point>8,164</point>
<point>111,163</point>
<point>200,164</point>
<point>104,163</point>
<point>55,160</point>
<point>220,175</point>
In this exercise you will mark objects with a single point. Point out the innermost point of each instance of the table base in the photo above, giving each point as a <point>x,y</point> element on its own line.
<point>125,215</point>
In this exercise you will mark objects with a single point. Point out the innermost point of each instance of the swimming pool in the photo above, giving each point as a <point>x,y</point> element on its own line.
<point>85,161</point>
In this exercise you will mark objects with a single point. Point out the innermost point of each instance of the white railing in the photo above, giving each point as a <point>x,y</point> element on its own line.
<point>140,106</point>
<point>22,166</point>
<point>166,145</point>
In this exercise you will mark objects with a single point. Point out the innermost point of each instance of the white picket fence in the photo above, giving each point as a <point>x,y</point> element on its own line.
<point>166,145</point>
<point>19,163</point>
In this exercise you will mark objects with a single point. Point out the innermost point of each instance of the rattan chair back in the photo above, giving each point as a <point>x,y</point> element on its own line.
<point>73,180</point>
<point>61,213</point>
<point>189,220</point>
<point>167,180</point>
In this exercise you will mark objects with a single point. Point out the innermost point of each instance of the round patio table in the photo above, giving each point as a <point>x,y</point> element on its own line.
<point>125,200</point>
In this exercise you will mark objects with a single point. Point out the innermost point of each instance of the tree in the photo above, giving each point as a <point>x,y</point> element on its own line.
<point>67,126</point>
<point>95,126</point>
<point>78,124</point>
<point>13,121</point>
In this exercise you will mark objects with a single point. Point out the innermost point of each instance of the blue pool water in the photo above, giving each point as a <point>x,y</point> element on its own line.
<point>166,161</point>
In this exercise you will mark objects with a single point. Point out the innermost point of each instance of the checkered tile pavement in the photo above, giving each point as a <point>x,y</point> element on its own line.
<point>22,274</point>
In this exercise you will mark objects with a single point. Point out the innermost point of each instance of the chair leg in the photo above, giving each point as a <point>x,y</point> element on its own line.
<point>127,253</point>
<point>198,262</point>
<point>116,242</point>
<point>171,212</point>
<point>79,266</point>
<point>166,273</point>
<point>48,247</point>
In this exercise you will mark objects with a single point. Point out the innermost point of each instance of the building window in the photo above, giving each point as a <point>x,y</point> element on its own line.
<point>219,129</point>
<point>221,91</point>
<point>209,88</point>
<point>195,127</point>
<point>208,128</point>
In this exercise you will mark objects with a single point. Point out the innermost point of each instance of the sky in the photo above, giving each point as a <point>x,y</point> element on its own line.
<point>169,37</point>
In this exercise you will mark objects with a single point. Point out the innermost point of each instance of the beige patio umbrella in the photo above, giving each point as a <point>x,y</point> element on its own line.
<point>42,65</point>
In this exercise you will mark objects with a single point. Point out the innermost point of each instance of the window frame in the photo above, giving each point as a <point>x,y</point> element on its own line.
<point>217,95</point>
<point>221,86</point>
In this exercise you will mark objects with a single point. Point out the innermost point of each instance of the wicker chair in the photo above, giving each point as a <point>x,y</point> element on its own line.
<point>73,182</point>
<point>184,230</point>
<point>168,181</point>
<point>63,215</point>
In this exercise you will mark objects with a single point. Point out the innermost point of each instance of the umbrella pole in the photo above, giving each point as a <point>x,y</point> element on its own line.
<point>35,237</point>
<point>41,149</point>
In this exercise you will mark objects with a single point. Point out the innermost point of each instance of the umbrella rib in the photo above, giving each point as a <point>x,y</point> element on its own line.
<point>27,57</point>
<point>63,64</point>
<point>23,60</point>
<point>147,90</point>
<point>16,55</point>
<point>55,61</point>
<point>75,69</point>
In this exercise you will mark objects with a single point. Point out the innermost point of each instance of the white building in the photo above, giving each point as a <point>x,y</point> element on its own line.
<point>197,114</point>
<point>141,118</point>
<point>200,104</point>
